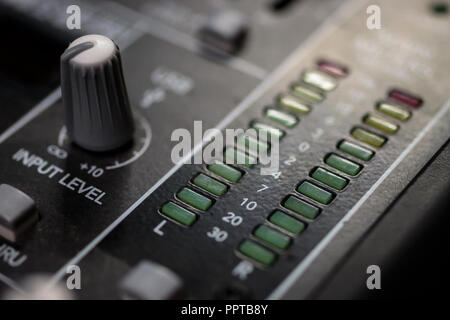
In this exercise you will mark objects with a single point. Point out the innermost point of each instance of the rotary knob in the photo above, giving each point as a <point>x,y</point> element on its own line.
<point>97,110</point>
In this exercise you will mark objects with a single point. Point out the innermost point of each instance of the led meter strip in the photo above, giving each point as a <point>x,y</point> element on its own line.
<point>300,269</point>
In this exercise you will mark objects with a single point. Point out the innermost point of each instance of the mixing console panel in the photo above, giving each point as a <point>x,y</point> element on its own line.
<point>104,132</point>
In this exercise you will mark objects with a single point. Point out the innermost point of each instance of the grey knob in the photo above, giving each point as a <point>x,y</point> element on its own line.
<point>97,110</point>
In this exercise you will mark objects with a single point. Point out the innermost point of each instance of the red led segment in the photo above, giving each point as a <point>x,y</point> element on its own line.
<point>405,98</point>
<point>333,69</point>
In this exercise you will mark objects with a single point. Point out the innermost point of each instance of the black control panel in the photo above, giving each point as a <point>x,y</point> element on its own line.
<point>93,181</point>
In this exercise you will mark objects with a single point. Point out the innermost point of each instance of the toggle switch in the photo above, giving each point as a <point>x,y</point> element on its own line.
<point>17,212</point>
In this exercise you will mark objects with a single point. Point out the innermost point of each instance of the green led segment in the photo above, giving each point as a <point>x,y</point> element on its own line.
<point>272,237</point>
<point>393,111</point>
<point>342,164</point>
<point>234,156</point>
<point>301,207</point>
<point>252,144</point>
<point>314,192</point>
<point>286,222</point>
<point>290,103</point>
<point>257,252</point>
<point>355,150</point>
<point>329,178</point>
<point>307,94</point>
<point>267,131</point>
<point>381,124</point>
<point>319,80</point>
<point>209,184</point>
<point>178,214</point>
<point>368,137</point>
<point>194,199</point>
<point>281,117</point>
<point>226,172</point>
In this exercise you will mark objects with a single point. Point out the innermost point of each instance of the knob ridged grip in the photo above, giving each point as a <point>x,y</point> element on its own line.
<point>97,110</point>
